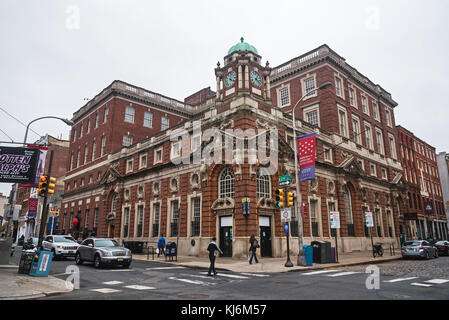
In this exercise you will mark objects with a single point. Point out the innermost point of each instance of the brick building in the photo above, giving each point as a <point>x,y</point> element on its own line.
<point>443,171</point>
<point>132,181</point>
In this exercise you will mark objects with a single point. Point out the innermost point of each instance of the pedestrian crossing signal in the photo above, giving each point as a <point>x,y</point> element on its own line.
<point>280,198</point>
<point>42,186</point>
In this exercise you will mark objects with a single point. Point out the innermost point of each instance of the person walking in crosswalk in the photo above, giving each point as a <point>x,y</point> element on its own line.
<point>213,248</point>
<point>253,245</point>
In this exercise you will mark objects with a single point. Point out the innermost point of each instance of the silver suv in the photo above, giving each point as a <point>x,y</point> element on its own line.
<point>103,251</point>
<point>61,246</point>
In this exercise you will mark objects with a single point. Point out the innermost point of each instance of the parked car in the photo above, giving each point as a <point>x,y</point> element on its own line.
<point>61,246</point>
<point>443,247</point>
<point>418,249</point>
<point>103,251</point>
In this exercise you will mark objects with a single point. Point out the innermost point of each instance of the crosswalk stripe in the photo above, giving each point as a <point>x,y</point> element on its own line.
<point>198,276</point>
<point>138,287</point>
<point>164,268</point>
<point>229,275</point>
<point>254,274</point>
<point>400,279</point>
<point>319,272</point>
<point>342,274</point>
<point>420,284</point>
<point>105,290</point>
<point>437,281</point>
<point>191,281</point>
<point>112,282</point>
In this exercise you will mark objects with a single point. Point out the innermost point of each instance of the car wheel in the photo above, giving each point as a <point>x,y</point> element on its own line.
<point>126,265</point>
<point>97,261</point>
<point>427,255</point>
<point>78,259</point>
<point>54,255</point>
<point>436,254</point>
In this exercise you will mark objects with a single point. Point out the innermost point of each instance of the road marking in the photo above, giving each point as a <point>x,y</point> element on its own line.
<point>400,279</point>
<point>164,268</point>
<point>254,274</point>
<point>109,283</point>
<point>347,273</point>
<point>197,276</point>
<point>191,281</point>
<point>116,270</point>
<point>319,272</point>
<point>138,287</point>
<point>229,275</point>
<point>437,281</point>
<point>420,284</point>
<point>105,290</point>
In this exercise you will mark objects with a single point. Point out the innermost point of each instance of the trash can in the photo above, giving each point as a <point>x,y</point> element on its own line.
<point>333,256</point>
<point>134,246</point>
<point>5,250</point>
<point>308,254</point>
<point>321,251</point>
<point>25,261</point>
<point>40,267</point>
<point>171,251</point>
<point>327,252</point>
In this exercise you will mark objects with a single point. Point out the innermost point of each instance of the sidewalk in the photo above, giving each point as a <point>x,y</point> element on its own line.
<point>272,265</point>
<point>15,286</point>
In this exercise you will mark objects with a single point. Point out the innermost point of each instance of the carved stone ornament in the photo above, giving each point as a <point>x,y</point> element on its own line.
<point>313,185</point>
<point>195,181</point>
<point>331,188</point>
<point>156,188</point>
<point>223,203</point>
<point>266,203</point>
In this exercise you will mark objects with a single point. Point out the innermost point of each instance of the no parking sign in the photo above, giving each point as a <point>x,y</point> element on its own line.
<point>286,214</point>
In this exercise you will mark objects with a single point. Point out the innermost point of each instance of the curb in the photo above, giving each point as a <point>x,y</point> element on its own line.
<point>30,297</point>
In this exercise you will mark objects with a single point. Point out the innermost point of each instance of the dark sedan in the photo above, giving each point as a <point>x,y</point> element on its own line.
<point>443,247</point>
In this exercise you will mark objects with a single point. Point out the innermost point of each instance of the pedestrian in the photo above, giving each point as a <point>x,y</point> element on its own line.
<point>253,245</point>
<point>213,248</point>
<point>161,245</point>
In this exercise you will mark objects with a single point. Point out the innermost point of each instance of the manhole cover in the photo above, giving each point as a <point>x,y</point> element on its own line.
<point>194,296</point>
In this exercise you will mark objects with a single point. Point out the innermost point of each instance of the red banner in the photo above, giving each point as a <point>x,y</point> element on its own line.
<point>306,154</point>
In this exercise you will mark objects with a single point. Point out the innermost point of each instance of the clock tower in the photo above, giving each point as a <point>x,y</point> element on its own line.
<point>243,74</point>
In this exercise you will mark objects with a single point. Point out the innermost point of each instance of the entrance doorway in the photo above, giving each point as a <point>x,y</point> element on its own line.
<point>111,228</point>
<point>265,236</point>
<point>226,236</point>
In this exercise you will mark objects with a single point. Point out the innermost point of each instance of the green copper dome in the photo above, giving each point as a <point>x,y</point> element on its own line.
<point>243,46</point>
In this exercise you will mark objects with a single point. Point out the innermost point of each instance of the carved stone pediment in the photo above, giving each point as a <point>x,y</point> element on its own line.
<point>266,203</point>
<point>223,203</point>
<point>110,217</point>
<point>352,166</point>
<point>111,176</point>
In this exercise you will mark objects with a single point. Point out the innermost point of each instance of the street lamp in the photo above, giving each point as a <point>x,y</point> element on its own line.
<point>301,259</point>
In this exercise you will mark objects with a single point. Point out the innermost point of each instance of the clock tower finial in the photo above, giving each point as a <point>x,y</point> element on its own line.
<point>241,39</point>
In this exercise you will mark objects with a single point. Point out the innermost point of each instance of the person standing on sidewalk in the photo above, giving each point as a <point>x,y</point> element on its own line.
<point>161,245</point>
<point>213,248</point>
<point>253,245</point>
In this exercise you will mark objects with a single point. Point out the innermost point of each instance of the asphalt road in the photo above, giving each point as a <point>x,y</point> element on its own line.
<point>163,281</point>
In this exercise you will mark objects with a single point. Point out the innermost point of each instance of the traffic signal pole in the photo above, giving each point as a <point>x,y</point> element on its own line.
<point>43,223</point>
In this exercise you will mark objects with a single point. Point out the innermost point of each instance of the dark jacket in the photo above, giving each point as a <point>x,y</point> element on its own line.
<point>254,245</point>
<point>212,248</point>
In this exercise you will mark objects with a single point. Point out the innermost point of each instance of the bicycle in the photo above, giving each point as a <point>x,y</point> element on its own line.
<point>378,250</point>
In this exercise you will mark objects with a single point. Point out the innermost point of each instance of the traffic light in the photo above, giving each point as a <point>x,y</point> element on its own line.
<point>280,198</point>
<point>289,199</point>
<point>42,186</point>
<point>51,185</point>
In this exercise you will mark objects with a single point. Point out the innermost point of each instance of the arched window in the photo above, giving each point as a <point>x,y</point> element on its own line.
<point>263,184</point>
<point>114,203</point>
<point>226,183</point>
<point>348,205</point>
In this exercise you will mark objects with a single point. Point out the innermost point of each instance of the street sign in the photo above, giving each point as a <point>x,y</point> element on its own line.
<point>286,230</point>
<point>369,219</point>
<point>284,183</point>
<point>286,214</point>
<point>285,177</point>
<point>335,219</point>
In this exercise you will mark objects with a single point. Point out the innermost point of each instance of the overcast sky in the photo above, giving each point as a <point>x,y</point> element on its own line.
<point>54,54</point>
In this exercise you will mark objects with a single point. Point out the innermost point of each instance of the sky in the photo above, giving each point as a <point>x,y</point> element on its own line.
<point>55,54</point>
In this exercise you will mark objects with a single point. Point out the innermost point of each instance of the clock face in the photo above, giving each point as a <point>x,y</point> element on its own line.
<point>230,78</point>
<point>256,79</point>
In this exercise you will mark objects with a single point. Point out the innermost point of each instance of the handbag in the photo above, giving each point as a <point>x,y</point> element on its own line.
<point>157,250</point>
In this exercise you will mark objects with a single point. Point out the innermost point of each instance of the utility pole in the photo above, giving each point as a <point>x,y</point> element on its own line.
<point>45,208</point>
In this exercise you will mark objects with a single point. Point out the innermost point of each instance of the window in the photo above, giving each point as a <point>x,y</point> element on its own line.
<point>114,203</point>
<point>86,219</point>
<point>106,113</point>
<point>156,215</point>
<point>97,119</point>
<point>380,142</point>
<point>129,165</point>
<point>372,167</point>
<point>165,123</point>
<point>339,87</point>
<point>81,130</point>
<point>356,129</point>
<point>327,154</point>
<point>378,222</point>
<point>312,117</point>
<point>388,117</point>
<point>314,218</point>
<point>139,221</point>
<point>71,161</point>
<point>103,145</point>
<point>284,96</point>
<point>143,161</point>
<point>127,140</point>
<point>348,208</point>
<point>158,156</point>
<point>94,148</point>
<point>368,136</point>
<point>74,135</point>
<point>342,122</point>
<point>174,218</point>
<point>88,125</point>
<point>364,105</point>
<point>392,146</point>
<point>309,87</point>
<point>376,111</point>
<point>175,150</point>
<point>384,173</point>
<point>196,216</point>
<point>82,182</point>
<point>352,98</point>
<point>95,220</point>
<point>78,158</point>
<point>196,142</point>
<point>86,153</point>
<point>263,184</point>
<point>226,183</point>
<point>148,119</point>
<point>129,114</point>
<point>125,222</point>
<point>91,179</point>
